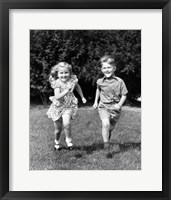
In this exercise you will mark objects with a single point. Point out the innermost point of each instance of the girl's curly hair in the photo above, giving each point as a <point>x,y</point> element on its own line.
<point>54,71</point>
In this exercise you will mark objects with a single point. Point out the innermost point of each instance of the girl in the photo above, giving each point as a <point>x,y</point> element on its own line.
<point>64,104</point>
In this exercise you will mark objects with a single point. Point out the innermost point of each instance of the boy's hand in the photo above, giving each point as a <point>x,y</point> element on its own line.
<point>95,105</point>
<point>117,106</point>
<point>84,100</point>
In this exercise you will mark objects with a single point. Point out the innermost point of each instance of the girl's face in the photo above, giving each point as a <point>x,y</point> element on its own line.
<point>63,74</point>
<point>108,70</point>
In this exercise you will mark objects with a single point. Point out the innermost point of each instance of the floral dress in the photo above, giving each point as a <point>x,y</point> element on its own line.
<point>65,105</point>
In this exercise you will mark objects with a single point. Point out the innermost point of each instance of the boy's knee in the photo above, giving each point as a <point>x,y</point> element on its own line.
<point>106,123</point>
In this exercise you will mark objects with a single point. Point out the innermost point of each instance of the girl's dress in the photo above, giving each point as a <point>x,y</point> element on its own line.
<point>67,104</point>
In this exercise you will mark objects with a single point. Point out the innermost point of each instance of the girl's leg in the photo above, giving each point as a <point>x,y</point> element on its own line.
<point>57,132</point>
<point>67,129</point>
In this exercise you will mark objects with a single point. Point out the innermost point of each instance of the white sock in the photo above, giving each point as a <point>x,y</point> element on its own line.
<point>69,142</point>
<point>57,142</point>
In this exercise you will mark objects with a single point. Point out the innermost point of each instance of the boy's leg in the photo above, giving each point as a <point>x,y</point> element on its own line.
<point>114,117</point>
<point>105,118</point>
<point>67,129</point>
<point>57,132</point>
<point>105,129</point>
<point>112,126</point>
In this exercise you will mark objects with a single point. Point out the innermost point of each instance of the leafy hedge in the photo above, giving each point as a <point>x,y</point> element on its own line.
<point>83,49</point>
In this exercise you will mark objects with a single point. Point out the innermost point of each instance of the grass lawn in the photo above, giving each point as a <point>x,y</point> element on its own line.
<point>88,153</point>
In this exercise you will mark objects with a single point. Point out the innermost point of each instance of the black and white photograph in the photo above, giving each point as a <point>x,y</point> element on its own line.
<point>85,100</point>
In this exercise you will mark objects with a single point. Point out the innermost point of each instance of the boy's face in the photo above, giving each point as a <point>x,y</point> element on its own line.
<point>108,69</point>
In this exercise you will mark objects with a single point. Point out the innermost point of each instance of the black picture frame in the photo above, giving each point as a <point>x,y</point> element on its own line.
<point>5,6</point>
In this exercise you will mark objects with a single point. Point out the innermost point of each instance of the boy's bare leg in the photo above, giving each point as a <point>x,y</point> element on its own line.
<point>105,131</point>
<point>112,126</point>
<point>110,131</point>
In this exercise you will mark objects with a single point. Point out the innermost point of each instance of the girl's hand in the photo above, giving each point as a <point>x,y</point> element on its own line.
<point>84,100</point>
<point>95,105</point>
<point>70,88</point>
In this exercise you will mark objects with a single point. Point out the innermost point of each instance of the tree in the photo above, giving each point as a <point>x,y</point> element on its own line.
<point>83,49</point>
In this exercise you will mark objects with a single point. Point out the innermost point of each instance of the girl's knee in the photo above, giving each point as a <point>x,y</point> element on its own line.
<point>58,128</point>
<point>66,121</point>
<point>57,131</point>
<point>67,125</point>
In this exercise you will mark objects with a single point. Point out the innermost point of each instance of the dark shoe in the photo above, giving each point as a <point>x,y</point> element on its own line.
<point>107,149</point>
<point>70,148</point>
<point>109,155</point>
<point>106,146</point>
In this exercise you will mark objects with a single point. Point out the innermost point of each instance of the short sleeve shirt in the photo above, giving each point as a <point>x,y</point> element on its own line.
<point>111,89</point>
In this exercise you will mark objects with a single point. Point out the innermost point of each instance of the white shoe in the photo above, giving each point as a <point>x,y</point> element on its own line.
<point>69,145</point>
<point>57,147</point>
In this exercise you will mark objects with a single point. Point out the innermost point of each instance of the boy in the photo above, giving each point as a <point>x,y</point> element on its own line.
<point>112,92</point>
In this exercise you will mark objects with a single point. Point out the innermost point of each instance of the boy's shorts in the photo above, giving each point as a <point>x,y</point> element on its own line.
<point>107,112</point>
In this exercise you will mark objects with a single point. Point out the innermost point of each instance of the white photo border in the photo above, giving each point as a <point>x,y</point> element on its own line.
<point>150,23</point>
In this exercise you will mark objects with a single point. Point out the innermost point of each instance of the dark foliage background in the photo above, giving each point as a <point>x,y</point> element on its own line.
<point>83,49</point>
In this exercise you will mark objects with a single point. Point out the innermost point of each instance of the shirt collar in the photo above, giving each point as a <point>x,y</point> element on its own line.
<point>112,77</point>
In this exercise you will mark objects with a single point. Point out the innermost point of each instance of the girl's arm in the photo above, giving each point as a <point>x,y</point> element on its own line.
<point>96,98</point>
<point>59,94</point>
<point>79,90</point>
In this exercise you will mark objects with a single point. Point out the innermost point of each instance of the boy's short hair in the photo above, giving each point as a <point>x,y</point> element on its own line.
<point>107,59</point>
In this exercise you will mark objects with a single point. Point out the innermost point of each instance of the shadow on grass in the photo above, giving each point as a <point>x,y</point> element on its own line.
<point>128,146</point>
<point>91,148</point>
<point>88,149</point>
<point>120,148</point>
<point>115,148</point>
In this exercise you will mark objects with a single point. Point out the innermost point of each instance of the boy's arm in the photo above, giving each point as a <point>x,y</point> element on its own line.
<point>79,90</point>
<point>122,101</point>
<point>96,98</point>
<point>124,92</point>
